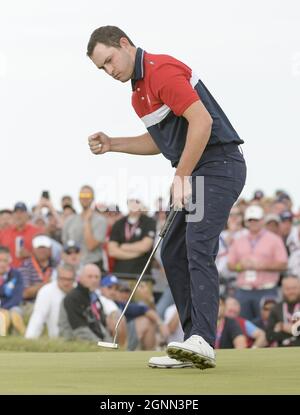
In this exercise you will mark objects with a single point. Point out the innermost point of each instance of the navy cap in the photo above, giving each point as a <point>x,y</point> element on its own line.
<point>259,194</point>
<point>286,215</point>
<point>109,281</point>
<point>71,245</point>
<point>20,206</point>
<point>282,197</point>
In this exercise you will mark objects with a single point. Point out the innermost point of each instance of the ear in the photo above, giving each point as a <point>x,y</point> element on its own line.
<point>124,42</point>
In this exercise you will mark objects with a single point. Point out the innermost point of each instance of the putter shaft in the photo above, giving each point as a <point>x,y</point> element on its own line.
<point>135,288</point>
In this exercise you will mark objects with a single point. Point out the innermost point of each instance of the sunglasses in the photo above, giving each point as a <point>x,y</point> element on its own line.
<point>72,251</point>
<point>84,195</point>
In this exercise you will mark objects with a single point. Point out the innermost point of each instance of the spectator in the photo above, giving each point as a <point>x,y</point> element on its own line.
<point>80,317</point>
<point>56,247</point>
<point>255,336</point>
<point>54,222</point>
<point>112,214</point>
<point>280,321</point>
<point>18,237</point>
<point>66,201</point>
<point>290,236</point>
<point>258,195</point>
<point>229,332</point>
<point>266,305</point>
<point>131,240</point>
<point>87,229</point>
<point>272,223</point>
<point>66,213</point>
<point>278,207</point>
<point>111,312</point>
<point>284,198</point>
<point>72,254</point>
<point>48,301</point>
<point>142,322</point>
<point>37,270</point>
<point>54,227</point>
<point>6,219</point>
<point>235,226</point>
<point>11,290</point>
<point>235,229</point>
<point>109,287</point>
<point>258,259</point>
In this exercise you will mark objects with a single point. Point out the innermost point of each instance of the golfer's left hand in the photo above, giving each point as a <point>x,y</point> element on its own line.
<point>181,192</point>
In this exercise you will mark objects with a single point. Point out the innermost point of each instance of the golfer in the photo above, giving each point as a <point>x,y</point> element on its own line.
<point>184,123</point>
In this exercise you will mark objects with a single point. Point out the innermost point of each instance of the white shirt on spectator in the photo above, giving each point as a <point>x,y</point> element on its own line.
<point>45,311</point>
<point>109,306</point>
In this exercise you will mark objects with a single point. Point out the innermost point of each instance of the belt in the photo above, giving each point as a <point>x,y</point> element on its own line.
<point>268,286</point>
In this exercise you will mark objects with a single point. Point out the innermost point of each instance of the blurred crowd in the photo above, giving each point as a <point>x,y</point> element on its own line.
<point>69,274</point>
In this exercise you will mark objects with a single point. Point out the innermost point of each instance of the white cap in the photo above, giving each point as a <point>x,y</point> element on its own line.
<point>272,217</point>
<point>254,212</point>
<point>41,241</point>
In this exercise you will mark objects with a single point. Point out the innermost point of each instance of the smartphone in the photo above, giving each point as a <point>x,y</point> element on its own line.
<point>45,194</point>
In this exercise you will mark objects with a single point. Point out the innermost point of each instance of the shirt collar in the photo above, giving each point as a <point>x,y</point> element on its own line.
<point>138,67</point>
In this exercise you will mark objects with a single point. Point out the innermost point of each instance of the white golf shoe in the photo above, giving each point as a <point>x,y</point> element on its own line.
<point>194,350</point>
<point>165,362</point>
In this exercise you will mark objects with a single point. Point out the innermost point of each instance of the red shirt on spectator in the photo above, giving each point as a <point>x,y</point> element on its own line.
<point>8,238</point>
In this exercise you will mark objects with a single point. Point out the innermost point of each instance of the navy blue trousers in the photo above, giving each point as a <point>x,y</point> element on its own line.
<point>190,247</point>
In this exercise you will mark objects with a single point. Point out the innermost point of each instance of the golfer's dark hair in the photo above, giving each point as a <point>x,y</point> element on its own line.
<point>108,35</point>
<point>4,250</point>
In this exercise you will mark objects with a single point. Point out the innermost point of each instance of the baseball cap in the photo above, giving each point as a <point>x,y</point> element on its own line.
<point>286,215</point>
<point>71,246</point>
<point>272,217</point>
<point>41,241</point>
<point>282,197</point>
<point>109,281</point>
<point>20,206</point>
<point>254,212</point>
<point>258,194</point>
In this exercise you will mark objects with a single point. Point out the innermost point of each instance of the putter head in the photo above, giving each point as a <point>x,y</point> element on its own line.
<point>108,345</point>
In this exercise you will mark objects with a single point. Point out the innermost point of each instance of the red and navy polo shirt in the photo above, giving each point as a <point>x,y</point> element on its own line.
<point>163,88</point>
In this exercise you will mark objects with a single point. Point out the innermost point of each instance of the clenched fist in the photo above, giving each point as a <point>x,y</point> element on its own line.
<point>99,143</point>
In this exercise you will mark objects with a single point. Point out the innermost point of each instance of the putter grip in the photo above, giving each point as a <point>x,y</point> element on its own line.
<point>168,222</point>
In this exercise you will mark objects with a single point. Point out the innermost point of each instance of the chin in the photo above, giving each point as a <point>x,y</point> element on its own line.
<point>123,79</point>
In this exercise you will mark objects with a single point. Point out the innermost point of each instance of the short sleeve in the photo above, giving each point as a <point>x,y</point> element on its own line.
<point>250,328</point>
<point>149,228</point>
<point>116,235</point>
<point>171,84</point>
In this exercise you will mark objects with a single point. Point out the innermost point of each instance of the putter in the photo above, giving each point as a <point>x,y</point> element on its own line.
<point>164,230</point>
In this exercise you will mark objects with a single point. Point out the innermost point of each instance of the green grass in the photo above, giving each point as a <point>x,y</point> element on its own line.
<point>257,371</point>
<point>45,345</point>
